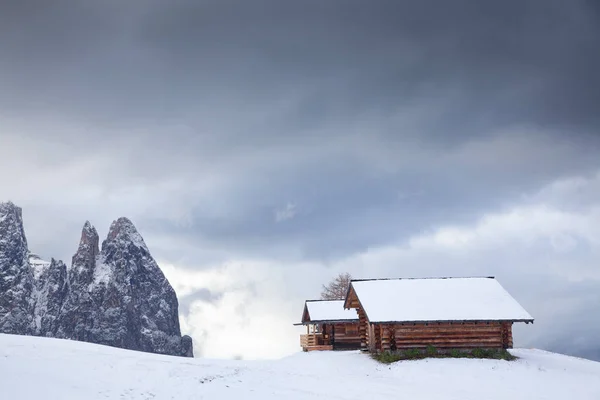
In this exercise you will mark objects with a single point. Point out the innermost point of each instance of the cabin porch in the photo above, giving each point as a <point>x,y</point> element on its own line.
<point>315,339</point>
<point>333,336</point>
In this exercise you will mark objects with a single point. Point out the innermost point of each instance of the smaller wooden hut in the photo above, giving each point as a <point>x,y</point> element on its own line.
<point>329,326</point>
<point>447,313</point>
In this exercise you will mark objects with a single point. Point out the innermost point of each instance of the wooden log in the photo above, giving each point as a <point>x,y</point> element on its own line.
<point>433,341</point>
<point>448,329</point>
<point>452,346</point>
<point>445,335</point>
<point>319,348</point>
<point>362,328</point>
<point>465,323</point>
<point>448,334</point>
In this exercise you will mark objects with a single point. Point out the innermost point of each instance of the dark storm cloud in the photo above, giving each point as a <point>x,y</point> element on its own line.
<point>388,53</point>
<point>271,79</point>
<point>500,62</point>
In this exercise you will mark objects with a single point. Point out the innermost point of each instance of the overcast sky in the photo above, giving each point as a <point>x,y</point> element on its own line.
<point>263,147</point>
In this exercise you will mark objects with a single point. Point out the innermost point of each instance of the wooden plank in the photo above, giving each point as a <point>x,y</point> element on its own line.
<point>449,329</point>
<point>452,346</point>
<point>433,341</point>
<point>448,333</point>
<point>462,323</point>
<point>319,348</point>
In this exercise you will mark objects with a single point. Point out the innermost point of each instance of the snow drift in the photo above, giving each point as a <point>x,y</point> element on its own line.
<point>54,369</point>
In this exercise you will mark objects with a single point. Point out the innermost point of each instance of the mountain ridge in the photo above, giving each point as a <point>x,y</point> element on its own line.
<point>115,294</point>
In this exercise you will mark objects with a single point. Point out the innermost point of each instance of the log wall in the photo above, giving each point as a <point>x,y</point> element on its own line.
<point>347,334</point>
<point>443,335</point>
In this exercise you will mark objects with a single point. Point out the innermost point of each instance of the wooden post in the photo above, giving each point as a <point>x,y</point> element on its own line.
<point>371,341</point>
<point>333,336</point>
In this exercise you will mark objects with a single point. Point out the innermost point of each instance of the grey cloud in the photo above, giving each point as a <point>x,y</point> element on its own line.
<point>204,295</point>
<point>518,62</point>
<point>198,119</point>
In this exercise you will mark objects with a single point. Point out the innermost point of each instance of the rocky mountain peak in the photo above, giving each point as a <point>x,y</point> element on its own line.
<point>89,242</point>
<point>11,225</point>
<point>84,260</point>
<point>16,275</point>
<point>117,296</point>
<point>124,232</point>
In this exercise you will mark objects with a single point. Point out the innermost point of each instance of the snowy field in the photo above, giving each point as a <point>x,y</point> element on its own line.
<point>50,369</point>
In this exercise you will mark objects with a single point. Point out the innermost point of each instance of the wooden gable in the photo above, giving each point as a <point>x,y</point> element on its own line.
<point>305,314</point>
<point>351,300</point>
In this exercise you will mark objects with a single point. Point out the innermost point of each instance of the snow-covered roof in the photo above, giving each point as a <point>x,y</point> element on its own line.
<point>328,310</point>
<point>437,299</point>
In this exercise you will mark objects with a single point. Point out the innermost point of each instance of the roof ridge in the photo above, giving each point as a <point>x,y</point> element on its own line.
<point>417,278</point>
<point>323,300</point>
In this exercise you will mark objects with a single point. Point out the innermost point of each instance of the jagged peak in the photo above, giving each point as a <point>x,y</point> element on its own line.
<point>89,229</point>
<point>8,204</point>
<point>9,207</point>
<point>88,232</point>
<point>123,229</point>
<point>88,245</point>
<point>11,220</point>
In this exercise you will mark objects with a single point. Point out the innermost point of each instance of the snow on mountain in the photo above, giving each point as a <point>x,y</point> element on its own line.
<point>120,297</point>
<point>68,370</point>
<point>38,265</point>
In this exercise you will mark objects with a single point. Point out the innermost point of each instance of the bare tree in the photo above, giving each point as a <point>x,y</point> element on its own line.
<point>337,288</point>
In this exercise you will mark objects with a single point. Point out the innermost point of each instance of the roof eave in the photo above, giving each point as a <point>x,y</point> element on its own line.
<point>458,321</point>
<point>328,321</point>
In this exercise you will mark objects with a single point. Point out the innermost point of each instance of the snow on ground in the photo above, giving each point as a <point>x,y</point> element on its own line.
<point>51,369</point>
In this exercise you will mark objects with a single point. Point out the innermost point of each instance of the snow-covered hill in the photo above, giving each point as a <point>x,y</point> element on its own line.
<point>52,369</point>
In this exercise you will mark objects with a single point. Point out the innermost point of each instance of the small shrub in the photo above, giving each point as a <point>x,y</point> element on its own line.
<point>505,355</point>
<point>431,351</point>
<point>388,357</point>
<point>455,353</point>
<point>478,353</point>
<point>413,354</point>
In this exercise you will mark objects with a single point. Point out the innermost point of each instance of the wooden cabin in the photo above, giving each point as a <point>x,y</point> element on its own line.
<point>329,326</point>
<point>447,313</point>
